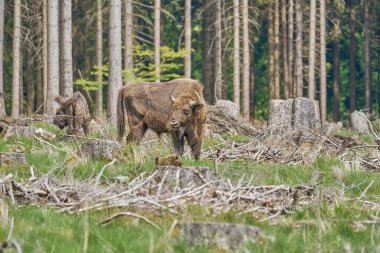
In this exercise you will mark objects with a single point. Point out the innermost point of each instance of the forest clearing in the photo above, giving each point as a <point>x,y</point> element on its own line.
<point>189,126</point>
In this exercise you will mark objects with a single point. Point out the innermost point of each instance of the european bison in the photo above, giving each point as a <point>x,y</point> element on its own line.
<point>73,113</point>
<point>176,107</point>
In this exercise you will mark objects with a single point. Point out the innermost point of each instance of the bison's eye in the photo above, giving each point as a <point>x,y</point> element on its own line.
<point>186,111</point>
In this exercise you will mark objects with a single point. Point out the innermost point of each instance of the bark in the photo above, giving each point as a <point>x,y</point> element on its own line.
<point>66,61</point>
<point>99,58</point>
<point>285,59</point>
<point>245,83</point>
<point>276,28</point>
<point>128,57</point>
<point>53,57</point>
<point>16,59</point>
<point>367,56</point>
<point>378,64</point>
<point>299,42</point>
<point>336,39</point>
<point>188,38</point>
<point>252,80</point>
<point>207,30</point>
<point>236,54</point>
<point>271,52</point>
<point>39,85</point>
<point>323,84</point>
<point>45,51</point>
<point>21,91</point>
<point>157,35</point>
<point>2,102</point>
<point>31,84</point>
<point>115,79</point>
<point>292,90</point>
<point>352,59</point>
<point>218,51</point>
<point>312,29</point>
<point>224,38</point>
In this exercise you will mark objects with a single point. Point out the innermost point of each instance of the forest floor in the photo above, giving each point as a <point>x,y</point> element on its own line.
<point>345,225</point>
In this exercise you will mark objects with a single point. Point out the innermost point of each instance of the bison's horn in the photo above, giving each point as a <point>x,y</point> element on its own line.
<point>197,94</point>
<point>172,98</point>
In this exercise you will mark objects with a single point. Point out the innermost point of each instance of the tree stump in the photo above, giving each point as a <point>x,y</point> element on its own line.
<point>229,108</point>
<point>359,123</point>
<point>12,159</point>
<point>100,149</point>
<point>280,116</point>
<point>306,115</point>
<point>219,236</point>
<point>27,131</point>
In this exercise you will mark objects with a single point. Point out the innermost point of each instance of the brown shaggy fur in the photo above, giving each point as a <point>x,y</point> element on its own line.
<point>73,113</point>
<point>149,106</point>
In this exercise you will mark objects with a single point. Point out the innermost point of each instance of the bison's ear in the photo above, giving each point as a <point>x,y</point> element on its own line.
<point>197,107</point>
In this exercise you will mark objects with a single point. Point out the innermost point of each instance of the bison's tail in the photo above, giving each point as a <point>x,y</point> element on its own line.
<point>120,116</point>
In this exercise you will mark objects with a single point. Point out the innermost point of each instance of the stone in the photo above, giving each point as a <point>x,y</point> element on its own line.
<point>359,123</point>
<point>220,237</point>
<point>229,108</point>
<point>12,159</point>
<point>100,149</point>
<point>306,115</point>
<point>280,116</point>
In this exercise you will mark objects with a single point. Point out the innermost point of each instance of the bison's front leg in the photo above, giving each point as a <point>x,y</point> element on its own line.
<point>178,142</point>
<point>195,142</point>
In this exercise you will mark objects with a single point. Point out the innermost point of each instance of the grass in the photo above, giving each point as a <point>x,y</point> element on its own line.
<point>42,229</point>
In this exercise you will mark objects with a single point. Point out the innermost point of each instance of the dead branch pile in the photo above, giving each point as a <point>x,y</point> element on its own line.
<point>299,149</point>
<point>167,189</point>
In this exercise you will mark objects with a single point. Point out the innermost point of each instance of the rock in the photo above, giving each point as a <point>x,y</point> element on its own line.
<point>280,116</point>
<point>100,149</point>
<point>12,159</point>
<point>220,237</point>
<point>229,108</point>
<point>359,123</point>
<point>306,115</point>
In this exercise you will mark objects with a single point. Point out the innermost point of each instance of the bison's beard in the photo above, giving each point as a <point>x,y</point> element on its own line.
<point>180,132</point>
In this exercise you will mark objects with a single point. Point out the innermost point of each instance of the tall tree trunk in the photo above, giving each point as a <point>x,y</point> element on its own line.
<point>128,57</point>
<point>236,53</point>
<point>352,58</point>
<point>323,84</point>
<point>99,57</point>
<point>378,64</point>
<point>157,35</point>
<point>218,51</point>
<point>285,59</point>
<point>207,31</point>
<point>336,66</point>
<point>39,85</point>
<point>16,59</point>
<point>292,90</point>
<point>21,83</point>
<point>224,48</point>
<point>276,29</point>
<point>299,42</point>
<point>115,79</point>
<point>2,102</point>
<point>312,28</point>
<point>31,84</point>
<point>245,86</point>
<point>45,51</point>
<point>367,56</point>
<point>271,51</point>
<point>252,80</point>
<point>188,38</point>
<point>53,56</point>
<point>66,61</point>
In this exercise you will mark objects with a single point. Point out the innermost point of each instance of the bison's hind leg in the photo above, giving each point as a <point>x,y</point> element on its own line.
<point>137,132</point>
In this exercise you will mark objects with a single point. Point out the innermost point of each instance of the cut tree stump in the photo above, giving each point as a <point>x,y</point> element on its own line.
<point>306,115</point>
<point>229,108</point>
<point>100,149</point>
<point>12,159</point>
<point>220,237</point>
<point>359,123</point>
<point>27,131</point>
<point>293,116</point>
<point>280,116</point>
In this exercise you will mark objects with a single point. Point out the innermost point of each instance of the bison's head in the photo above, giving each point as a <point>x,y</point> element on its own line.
<point>60,119</point>
<point>185,109</point>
